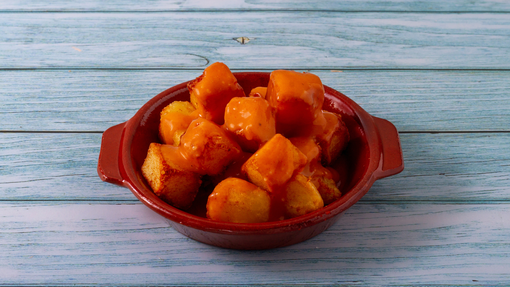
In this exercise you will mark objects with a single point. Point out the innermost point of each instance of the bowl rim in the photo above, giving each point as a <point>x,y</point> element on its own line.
<point>331,210</point>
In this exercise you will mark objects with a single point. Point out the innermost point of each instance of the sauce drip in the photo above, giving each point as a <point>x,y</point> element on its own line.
<point>211,92</point>
<point>205,149</point>
<point>297,98</point>
<point>311,149</point>
<point>174,124</point>
<point>251,120</point>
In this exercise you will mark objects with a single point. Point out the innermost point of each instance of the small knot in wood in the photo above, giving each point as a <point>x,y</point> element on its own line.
<point>242,40</point>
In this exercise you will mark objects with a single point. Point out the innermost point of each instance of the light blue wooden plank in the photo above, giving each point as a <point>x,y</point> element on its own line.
<point>430,100</point>
<point>53,167</point>
<point>79,100</point>
<point>372,244</point>
<point>175,5</point>
<point>412,100</point>
<point>450,167</point>
<point>438,167</point>
<point>283,39</point>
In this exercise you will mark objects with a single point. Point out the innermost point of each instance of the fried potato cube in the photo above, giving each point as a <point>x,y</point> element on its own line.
<point>174,120</point>
<point>210,92</point>
<point>258,92</point>
<point>274,163</point>
<point>327,188</point>
<point>320,176</point>
<point>297,98</point>
<point>236,200</point>
<point>251,120</point>
<point>208,148</point>
<point>333,138</point>
<point>310,149</point>
<point>301,197</point>
<point>168,181</point>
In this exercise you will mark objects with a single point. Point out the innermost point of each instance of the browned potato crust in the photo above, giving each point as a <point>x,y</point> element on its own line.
<point>327,189</point>
<point>320,176</point>
<point>274,163</point>
<point>169,182</point>
<point>236,200</point>
<point>208,147</point>
<point>302,197</point>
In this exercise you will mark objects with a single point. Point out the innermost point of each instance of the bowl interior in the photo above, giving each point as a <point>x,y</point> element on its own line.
<point>351,165</point>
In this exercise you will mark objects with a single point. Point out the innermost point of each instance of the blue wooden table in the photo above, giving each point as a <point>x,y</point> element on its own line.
<point>438,70</point>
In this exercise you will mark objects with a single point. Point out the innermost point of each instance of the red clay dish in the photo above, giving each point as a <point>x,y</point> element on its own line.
<point>374,152</point>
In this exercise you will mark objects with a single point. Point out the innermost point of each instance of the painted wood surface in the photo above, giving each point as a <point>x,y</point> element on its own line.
<point>439,70</point>
<point>438,167</point>
<point>326,40</point>
<point>105,243</point>
<point>421,101</point>
<point>497,6</point>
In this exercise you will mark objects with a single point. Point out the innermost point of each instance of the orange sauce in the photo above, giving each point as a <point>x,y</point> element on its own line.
<point>213,90</point>
<point>195,149</point>
<point>313,167</point>
<point>179,157</point>
<point>279,169</point>
<point>297,97</point>
<point>290,107</point>
<point>323,127</point>
<point>326,131</point>
<point>251,120</point>
<point>174,123</point>
<point>234,169</point>
<point>258,92</point>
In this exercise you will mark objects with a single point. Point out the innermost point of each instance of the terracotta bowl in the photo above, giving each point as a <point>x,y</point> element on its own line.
<point>374,152</point>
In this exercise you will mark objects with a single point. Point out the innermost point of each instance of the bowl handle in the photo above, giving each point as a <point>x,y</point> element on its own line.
<point>108,163</point>
<point>392,160</point>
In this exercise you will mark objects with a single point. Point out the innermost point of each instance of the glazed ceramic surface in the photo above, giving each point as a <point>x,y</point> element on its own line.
<point>373,152</point>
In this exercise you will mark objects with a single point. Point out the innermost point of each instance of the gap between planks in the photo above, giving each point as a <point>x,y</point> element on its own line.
<point>255,10</point>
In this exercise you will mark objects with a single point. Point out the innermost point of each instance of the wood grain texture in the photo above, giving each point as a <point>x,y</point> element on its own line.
<point>439,70</point>
<point>178,5</point>
<point>438,167</point>
<point>450,167</point>
<point>291,40</point>
<point>109,243</point>
<point>53,167</point>
<point>412,100</point>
